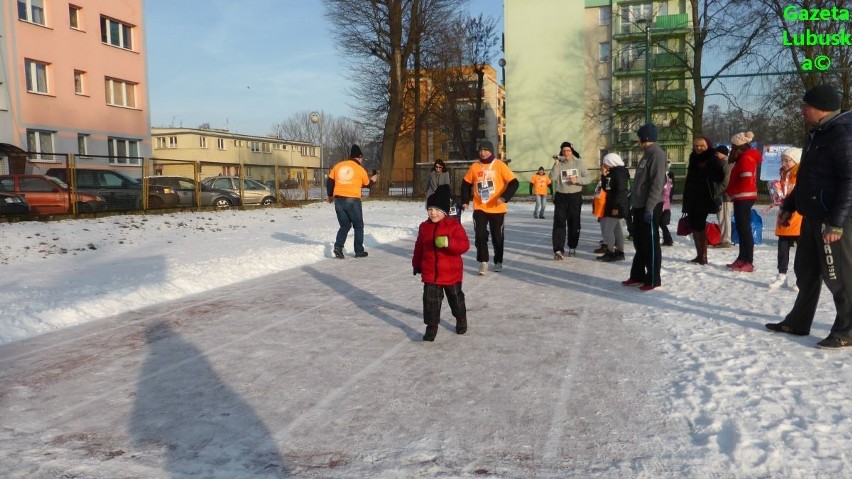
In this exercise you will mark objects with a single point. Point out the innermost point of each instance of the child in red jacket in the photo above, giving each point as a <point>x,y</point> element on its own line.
<point>441,241</point>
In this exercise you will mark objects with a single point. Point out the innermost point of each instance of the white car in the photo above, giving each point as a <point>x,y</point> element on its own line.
<point>253,192</point>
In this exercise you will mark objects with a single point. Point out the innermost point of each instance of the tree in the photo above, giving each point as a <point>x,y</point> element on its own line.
<point>338,134</point>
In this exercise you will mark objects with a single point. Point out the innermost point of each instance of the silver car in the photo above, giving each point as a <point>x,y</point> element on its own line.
<point>185,188</point>
<point>254,192</point>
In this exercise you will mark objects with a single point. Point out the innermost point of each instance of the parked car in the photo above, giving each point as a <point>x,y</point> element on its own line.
<point>185,188</point>
<point>119,190</point>
<point>254,192</point>
<point>47,195</point>
<point>12,205</point>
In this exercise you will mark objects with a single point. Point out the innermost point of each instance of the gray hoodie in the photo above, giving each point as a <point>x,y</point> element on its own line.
<point>567,165</point>
<point>650,179</point>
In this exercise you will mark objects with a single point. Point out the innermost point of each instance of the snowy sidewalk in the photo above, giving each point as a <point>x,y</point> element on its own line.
<point>320,372</point>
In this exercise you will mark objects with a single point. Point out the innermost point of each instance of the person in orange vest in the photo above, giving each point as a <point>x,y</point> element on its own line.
<point>787,234</point>
<point>343,186</point>
<point>540,185</point>
<point>490,184</point>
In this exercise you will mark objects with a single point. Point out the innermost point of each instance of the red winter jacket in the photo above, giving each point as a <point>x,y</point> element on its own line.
<point>743,182</point>
<point>442,266</point>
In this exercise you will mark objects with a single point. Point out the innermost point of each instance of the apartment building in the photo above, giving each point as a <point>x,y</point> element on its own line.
<point>180,151</point>
<point>591,72</point>
<point>72,80</point>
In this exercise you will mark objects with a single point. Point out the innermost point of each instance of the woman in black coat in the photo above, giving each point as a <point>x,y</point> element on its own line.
<point>702,174</point>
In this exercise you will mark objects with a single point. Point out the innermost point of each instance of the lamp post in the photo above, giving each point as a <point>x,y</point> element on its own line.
<point>502,63</point>
<point>646,24</point>
<point>316,119</point>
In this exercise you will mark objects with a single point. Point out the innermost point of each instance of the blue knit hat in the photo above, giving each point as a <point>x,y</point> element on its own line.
<point>647,132</point>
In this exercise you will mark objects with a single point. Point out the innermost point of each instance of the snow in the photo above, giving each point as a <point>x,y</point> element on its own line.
<point>231,344</point>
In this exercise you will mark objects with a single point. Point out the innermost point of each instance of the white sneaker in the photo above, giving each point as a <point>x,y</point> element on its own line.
<point>483,268</point>
<point>779,280</point>
<point>558,256</point>
<point>498,267</point>
<point>791,284</point>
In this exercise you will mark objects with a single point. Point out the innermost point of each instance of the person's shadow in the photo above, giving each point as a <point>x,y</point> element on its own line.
<point>184,412</point>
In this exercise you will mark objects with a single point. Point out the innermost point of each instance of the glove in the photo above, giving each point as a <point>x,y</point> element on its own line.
<point>442,241</point>
<point>649,216</point>
<point>416,271</point>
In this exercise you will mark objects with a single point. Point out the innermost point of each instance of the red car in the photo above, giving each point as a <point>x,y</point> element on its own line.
<point>47,195</point>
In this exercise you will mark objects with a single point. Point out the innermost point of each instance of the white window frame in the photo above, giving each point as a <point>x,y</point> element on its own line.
<point>124,151</point>
<point>604,52</point>
<point>220,143</point>
<point>202,141</point>
<point>120,92</point>
<point>37,76</point>
<point>41,142</point>
<point>173,143</point>
<point>161,142</point>
<point>604,16</point>
<point>255,146</point>
<point>82,144</point>
<point>75,16</point>
<point>79,82</point>
<point>31,11</point>
<point>266,147</point>
<point>121,38</point>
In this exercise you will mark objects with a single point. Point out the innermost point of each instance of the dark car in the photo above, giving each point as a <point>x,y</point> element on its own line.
<point>185,188</point>
<point>119,190</point>
<point>12,205</point>
<point>47,195</point>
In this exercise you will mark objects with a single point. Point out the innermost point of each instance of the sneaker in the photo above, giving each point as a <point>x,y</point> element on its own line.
<point>558,256</point>
<point>498,267</point>
<point>631,282</point>
<point>362,254</point>
<point>735,264</point>
<point>542,217</point>
<point>461,325</point>
<point>791,284</point>
<point>611,256</point>
<point>338,253</point>
<point>619,255</point>
<point>601,249</point>
<point>431,332</point>
<point>668,243</point>
<point>483,268</point>
<point>779,280</point>
<point>724,244</point>
<point>647,287</point>
<point>783,328</point>
<point>744,268</point>
<point>834,342</point>
<point>572,253</point>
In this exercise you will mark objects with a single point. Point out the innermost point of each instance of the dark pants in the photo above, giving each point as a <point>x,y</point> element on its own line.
<point>566,220</point>
<point>742,217</point>
<point>433,298</point>
<point>349,216</point>
<point>784,245</point>
<point>664,227</point>
<point>648,260</point>
<point>482,223</point>
<point>832,263</point>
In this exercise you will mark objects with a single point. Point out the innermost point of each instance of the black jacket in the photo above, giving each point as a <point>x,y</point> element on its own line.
<point>615,184</point>
<point>824,184</point>
<point>702,174</point>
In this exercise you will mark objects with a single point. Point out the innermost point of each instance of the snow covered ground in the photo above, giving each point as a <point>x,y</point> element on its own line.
<point>229,344</point>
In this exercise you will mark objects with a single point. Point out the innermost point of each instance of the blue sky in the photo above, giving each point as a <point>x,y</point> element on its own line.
<point>246,65</point>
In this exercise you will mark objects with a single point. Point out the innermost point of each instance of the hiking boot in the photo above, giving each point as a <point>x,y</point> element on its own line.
<point>338,253</point>
<point>572,253</point>
<point>834,342</point>
<point>431,332</point>
<point>362,254</point>
<point>783,328</point>
<point>631,282</point>
<point>498,267</point>
<point>611,256</point>
<point>558,256</point>
<point>648,287</point>
<point>779,280</point>
<point>744,268</point>
<point>735,264</point>
<point>601,249</point>
<point>461,325</point>
<point>483,268</point>
<point>542,217</point>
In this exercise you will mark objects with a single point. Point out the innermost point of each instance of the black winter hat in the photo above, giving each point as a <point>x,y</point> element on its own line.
<point>486,145</point>
<point>723,150</point>
<point>823,97</point>
<point>440,199</point>
<point>355,152</point>
<point>647,132</point>
<point>567,144</point>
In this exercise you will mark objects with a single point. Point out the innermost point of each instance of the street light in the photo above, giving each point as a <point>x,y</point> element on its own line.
<point>316,119</point>
<point>646,24</point>
<point>502,63</point>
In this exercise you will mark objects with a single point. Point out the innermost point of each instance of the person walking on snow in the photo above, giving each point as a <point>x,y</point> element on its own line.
<point>540,184</point>
<point>823,196</point>
<point>343,187</point>
<point>569,175</point>
<point>441,242</point>
<point>490,184</point>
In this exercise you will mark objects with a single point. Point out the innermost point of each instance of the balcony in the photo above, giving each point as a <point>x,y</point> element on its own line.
<point>677,97</point>
<point>663,26</point>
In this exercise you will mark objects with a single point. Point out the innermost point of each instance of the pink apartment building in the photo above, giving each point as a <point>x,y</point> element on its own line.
<point>74,81</point>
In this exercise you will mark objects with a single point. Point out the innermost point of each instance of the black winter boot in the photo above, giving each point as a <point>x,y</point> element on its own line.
<point>461,325</point>
<point>431,332</point>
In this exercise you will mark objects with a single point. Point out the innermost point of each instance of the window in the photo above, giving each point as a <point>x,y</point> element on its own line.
<point>75,17</point>
<point>255,146</point>
<point>31,11</point>
<point>220,143</point>
<point>605,86</point>
<point>38,142</point>
<point>116,33</point>
<point>82,144</point>
<point>161,142</point>
<point>202,141</point>
<point>172,142</point>
<point>604,52</point>
<point>120,93</point>
<point>123,151</point>
<point>266,147</point>
<point>604,16</point>
<point>79,82</point>
<point>36,76</point>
